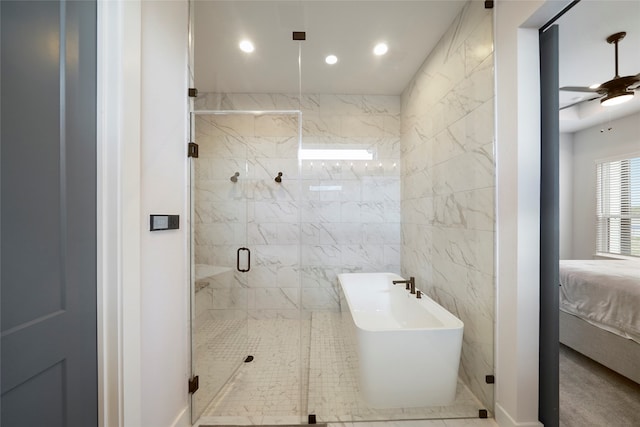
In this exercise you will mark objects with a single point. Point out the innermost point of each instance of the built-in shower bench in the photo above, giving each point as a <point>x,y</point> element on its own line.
<point>205,271</point>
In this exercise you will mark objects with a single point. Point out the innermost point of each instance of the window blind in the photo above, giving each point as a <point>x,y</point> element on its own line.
<point>618,207</point>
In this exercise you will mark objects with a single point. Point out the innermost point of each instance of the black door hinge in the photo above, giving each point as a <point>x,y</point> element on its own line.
<point>192,150</point>
<point>488,4</point>
<point>193,384</point>
<point>193,92</point>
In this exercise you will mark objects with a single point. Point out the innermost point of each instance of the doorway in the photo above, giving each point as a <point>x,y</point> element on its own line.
<point>351,168</point>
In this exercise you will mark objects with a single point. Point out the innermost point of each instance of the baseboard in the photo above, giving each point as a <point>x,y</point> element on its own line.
<point>503,419</point>
<point>183,420</point>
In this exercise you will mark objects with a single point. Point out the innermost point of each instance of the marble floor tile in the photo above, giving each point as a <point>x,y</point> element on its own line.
<point>273,384</point>
<point>468,422</point>
<point>489,422</point>
<point>308,367</point>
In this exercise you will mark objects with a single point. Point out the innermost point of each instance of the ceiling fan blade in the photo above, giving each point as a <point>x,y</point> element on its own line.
<point>578,102</point>
<point>579,89</point>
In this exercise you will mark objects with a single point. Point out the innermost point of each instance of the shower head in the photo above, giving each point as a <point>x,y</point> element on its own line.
<point>235,176</point>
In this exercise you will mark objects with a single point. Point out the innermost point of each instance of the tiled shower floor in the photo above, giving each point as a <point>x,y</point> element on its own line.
<point>276,389</point>
<point>272,388</point>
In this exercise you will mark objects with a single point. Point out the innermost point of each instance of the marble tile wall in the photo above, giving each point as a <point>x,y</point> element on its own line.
<point>448,185</point>
<point>326,217</point>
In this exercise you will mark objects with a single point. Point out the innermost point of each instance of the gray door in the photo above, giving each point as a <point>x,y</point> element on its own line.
<point>48,213</point>
<point>549,391</point>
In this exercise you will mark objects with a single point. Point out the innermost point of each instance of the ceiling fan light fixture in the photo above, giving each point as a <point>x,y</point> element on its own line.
<point>615,91</point>
<point>616,98</point>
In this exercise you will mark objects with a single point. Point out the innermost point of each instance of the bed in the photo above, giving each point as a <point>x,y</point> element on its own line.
<point>600,312</point>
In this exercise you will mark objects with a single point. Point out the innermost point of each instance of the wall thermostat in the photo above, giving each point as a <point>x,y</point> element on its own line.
<point>164,222</point>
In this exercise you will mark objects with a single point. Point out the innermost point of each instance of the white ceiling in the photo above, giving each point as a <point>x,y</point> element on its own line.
<point>347,29</point>
<point>350,29</point>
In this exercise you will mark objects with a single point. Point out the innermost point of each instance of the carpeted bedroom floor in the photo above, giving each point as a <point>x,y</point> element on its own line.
<point>594,396</point>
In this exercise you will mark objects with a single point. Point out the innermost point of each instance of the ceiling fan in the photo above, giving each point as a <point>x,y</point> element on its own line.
<point>612,92</point>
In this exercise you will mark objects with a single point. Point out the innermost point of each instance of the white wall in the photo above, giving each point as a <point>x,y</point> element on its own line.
<point>163,254</point>
<point>518,211</point>
<point>590,145</point>
<point>566,195</point>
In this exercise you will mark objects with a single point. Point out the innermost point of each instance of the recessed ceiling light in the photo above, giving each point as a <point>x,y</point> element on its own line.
<point>246,46</point>
<point>380,49</point>
<point>331,59</point>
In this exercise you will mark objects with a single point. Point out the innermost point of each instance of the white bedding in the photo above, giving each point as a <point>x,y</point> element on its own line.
<point>605,293</point>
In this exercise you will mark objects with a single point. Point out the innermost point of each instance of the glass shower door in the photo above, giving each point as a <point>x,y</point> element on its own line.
<point>246,255</point>
<point>221,260</point>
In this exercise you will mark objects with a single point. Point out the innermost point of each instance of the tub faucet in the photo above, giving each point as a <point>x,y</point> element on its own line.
<point>411,284</point>
<point>395,282</point>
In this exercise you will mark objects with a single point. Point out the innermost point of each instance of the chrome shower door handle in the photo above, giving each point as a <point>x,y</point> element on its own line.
<point>248,260</point>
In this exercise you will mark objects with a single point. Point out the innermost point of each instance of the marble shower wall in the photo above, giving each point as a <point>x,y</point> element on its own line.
<point>325,218</point>
<point>448,185</point>
<point>253,212</point>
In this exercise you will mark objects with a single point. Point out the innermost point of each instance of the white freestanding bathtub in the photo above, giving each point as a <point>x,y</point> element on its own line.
<point>408,349</point>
